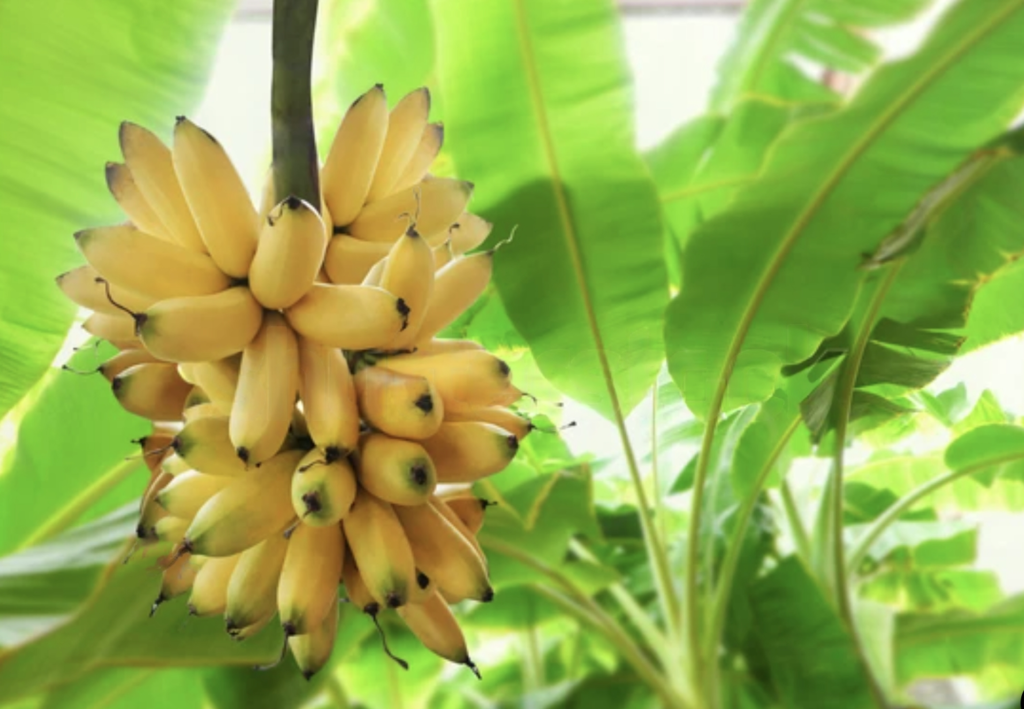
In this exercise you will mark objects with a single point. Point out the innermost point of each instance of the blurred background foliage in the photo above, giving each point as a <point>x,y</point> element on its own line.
<point>824,263</point>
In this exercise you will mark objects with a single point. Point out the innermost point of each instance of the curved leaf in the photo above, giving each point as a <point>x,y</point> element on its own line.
<point>538,116</point>
<point>766,281</point>
<point>996,449</point>
<point>73,71</point>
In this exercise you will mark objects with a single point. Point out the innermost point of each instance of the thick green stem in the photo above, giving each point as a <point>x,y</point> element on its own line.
<point>796,525</point>
<point>296,166</point>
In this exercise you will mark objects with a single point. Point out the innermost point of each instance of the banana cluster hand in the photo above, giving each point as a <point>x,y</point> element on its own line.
<point>304,410</point>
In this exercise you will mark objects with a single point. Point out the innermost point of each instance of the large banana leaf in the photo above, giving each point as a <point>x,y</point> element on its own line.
<point>73,70</point>
<point>766,281</point>
<point>776,35</point>
<point>537,109</point>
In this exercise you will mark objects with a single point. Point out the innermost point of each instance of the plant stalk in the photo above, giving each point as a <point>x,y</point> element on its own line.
<point>296,166</point>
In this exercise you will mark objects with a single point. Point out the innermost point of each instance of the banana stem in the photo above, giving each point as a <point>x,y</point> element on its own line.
<point>296,166</point>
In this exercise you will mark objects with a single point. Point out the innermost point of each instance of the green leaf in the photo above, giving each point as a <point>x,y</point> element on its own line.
<point>82,469</point>
<point>529,89</point>
<point>130,688</point>
<point>775,35</point>
<point>996,450</point>
<point>281,687</point>
<point>75,71</point>
<point>112,628</point>
<point>737,321</point>
<point>812,658</point>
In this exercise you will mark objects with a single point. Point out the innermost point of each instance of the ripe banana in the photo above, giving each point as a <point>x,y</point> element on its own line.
<point>465,380</point>
<point>444,554</point>
<point>468,508</point>
<point>409,274</point>
<point>373,276</point>
<point>468,451</point>
<point>457,522</point>
<point>395,470</point>
<point>147,265</point>
<point>328,396</point>
<point>372,317</point>
<point>313,650</point>
<point>429,146</point>
<point>355,588</point>
<point>177,578</point>
<point>268,383</point>
<point>170,529</point>
<point>433,205</point>
<point>469,232</point>
<point>149,511</point>
<point>81,286</point>
<point>201,327</point>
<point>245,512</point>
<point>217,198</point>
<point>128,195</point>
<point>401,405</point>
<point>352,160</point>
<point>152,390</point>
<point>308,588</point>
<point>349,259</point>
<point>174,464</point>
<point>252,590</point>
<point>219,379</point>
<point>443,255</point>
<point>189,491</point>
<point>204,445</point>
<point>210,587</point>
<point>118,330</point>
<point>406,124</point>
<point>203,410</point>
<point>456,287</point>
<point>290,252</point>
<point>152,167</point>
<point>435,626</point>
<point>514,423</point>
<point>322,491</point>
<point>380,549</point>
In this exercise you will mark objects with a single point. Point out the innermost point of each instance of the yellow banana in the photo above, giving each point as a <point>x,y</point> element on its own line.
<point>426,348</point>
<point>435,626</point>
<point>313,650</point>
<point>348,259</point>
<point>174,464</point>
<point>456,287</point>
<point>147,265</point>
<point>328,396</point>
<point>218,378</point>
<point>468,451</point>
<point>443,255</point>
<point>201,327</point>
<point>444,554</point>
<point>290,252</point>
<point>429,146</point>
<point>252,590</point>
<point>308,588</point>
<point>217,198</point>
<point>153,390</point>
<point>268,383</point>
<point>189,491</point>
<point>128,195</point>
<point>349,317</point>
<point>355,588</point>
<point>81,286</point>
<point>396,470</point>
<point>401,405</point>
<point>204,410</point>
<point>514,423</point>
<point>433,204</point>
<point>177,578</point>
<point>205,445</point>
<point>210,587</point>
<point>409,274</point>
<point>245,512</point>
<point>322,491</point>
<point>449,514</point>
<point>373,276</point>
<point>406,123</point>
<point>468,508</point>
<point>118,330</point>
<point>170,529</point>
<point>352,160</point>
<point>465,380</point>
<point>149,511</point>
<point>152,167</point>
<point>380,549</point>
<point>468,232</point>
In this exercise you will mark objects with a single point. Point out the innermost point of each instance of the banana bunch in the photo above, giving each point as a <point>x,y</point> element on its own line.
<point>310,429</point>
